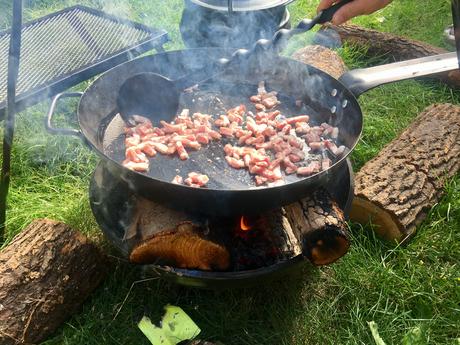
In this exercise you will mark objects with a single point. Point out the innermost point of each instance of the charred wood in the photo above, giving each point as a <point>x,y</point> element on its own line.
<point>319,225</point>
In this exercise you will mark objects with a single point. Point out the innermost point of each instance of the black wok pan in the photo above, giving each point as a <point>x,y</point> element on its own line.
<point>325,99</point>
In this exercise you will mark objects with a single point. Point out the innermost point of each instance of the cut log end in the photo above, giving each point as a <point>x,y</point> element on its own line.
<point>322,58</point>
<point>385,225</point>
<point>320,226</point>
<point>324,247</point>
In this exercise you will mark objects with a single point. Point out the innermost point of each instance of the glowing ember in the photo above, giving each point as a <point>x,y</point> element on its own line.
<point>244,224</point>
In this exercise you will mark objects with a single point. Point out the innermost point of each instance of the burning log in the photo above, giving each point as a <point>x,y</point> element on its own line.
<point>46,273</point>
<point>322,58</point>
<point>319,225</point>
<point>397,188</point>
<point>397,48</point>
<point>313,226</point>
<point>168,237</point>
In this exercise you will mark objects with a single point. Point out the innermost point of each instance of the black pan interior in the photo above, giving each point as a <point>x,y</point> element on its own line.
<point>213,97</point>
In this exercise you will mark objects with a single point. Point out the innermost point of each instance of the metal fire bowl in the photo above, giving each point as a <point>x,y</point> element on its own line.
<point>110,196</point>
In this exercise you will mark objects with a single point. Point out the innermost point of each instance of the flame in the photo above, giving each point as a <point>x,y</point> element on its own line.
<point>244,224</point>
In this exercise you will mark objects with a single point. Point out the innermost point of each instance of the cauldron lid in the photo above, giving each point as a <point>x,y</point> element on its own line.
<point>241,5</point>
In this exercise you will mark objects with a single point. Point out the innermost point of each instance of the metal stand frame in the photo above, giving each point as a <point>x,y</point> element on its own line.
<point>456,19</point>
<point>8,136</point>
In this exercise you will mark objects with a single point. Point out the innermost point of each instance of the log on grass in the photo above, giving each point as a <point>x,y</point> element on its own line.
<point>319,225</point>
<point>397,188</point>
<point>387,45</point>
<point>322,58</point>
<point>168,236</point>
<point>46,273</point>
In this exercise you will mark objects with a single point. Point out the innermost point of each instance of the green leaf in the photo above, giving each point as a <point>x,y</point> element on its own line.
<point>153,333</point>
<point>176,326</point>
<point>375,333</point>
<point>414,337</point>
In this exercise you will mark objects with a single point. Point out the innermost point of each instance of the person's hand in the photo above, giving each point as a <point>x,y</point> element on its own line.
<point>353,9</point>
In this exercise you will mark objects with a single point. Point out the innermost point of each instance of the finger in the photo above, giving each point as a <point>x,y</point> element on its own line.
<point>351,10</point>
<point>356,8</point>
<point>325,4</point>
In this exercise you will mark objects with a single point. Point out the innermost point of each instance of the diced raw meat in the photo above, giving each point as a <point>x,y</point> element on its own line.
<point>228,132</point>
<point>313,168</point>
<point>300,118</point>
<point>196,180</point>
<point>316,145</point>
<point>141,167</point>
<point>177,180</point>
<point>134,140</point>
<point>235,163</point>
<point>162,148</point>
<point>148,149</point>
<point>182,152</point>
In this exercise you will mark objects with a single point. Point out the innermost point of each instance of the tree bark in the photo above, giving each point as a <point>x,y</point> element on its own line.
<point>397,188</point>
<point>387,45</point>
<point>319,225</point>
<point>46,273</point>
<point>322,58</point>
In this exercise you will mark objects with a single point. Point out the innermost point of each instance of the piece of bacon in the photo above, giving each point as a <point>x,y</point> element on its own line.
<point>133,140</point>
<point>162,148</point>
<point>310,169</point>
<point>173,128</point>
<point>234,162</point>
<point>181,151</point>
<point>148,149</point>
<point>300,118</point>
<point>177,180</point>
<point>141,166</point>
<point>134,154</point>
<point>196,180</point>
<point>228,132</point>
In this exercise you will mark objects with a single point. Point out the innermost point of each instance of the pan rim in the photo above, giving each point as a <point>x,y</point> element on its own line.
<point>349,96</point>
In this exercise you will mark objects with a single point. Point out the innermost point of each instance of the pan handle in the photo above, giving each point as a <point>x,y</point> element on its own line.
<point>65,131</point>
<point>361,80</point>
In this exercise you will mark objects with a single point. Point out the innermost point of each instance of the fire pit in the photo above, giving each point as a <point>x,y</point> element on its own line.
<point>261,247</point>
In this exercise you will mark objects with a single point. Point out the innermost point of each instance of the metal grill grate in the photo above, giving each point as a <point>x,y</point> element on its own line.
<point>67,47</point>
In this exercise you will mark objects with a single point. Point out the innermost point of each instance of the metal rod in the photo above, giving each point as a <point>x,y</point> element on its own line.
<point>8,136</point>
<point>230,7</point>
<point>456,19</point>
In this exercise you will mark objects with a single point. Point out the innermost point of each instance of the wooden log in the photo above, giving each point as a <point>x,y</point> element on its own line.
<point>322,58</point>
<point>387,45</point>
<point>397,188</point>
<point>319,224</point>
<point>46,273</point>
<point>313,226</point>
<point>168,236</point>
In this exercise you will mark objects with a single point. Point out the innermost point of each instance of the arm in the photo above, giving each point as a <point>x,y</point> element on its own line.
<point>353,9</point>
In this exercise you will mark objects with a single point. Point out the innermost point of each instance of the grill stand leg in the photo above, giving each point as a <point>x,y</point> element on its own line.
<point>8,136</point>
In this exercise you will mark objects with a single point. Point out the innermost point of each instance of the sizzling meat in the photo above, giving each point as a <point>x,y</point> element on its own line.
<point>266,143</point>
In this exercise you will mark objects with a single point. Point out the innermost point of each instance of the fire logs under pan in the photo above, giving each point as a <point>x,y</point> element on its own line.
<point>113,204</point>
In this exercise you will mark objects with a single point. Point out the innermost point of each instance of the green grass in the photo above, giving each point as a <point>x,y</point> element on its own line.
<point>400,288</point>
